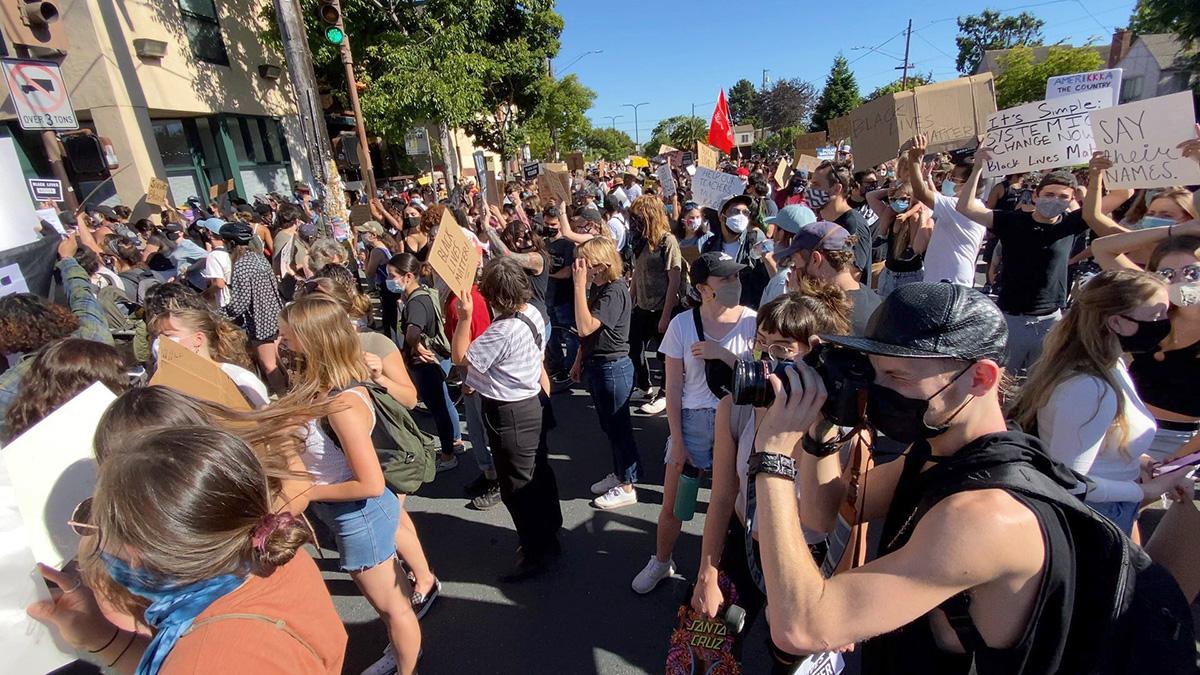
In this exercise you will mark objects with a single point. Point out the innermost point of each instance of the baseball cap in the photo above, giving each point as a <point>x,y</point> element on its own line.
<point>105,211</point>
<point>172,227</point>
<point>300,186</point>
<point>744,200</point>
<point>821,234</point>
<point>591,214</point>
<point>792,218</point>
<point>238,233</point>
<point>743,171</point>
<point>371,226</point>
<point>928,320</point>
<point>213,225</point>
<point>714,264</point>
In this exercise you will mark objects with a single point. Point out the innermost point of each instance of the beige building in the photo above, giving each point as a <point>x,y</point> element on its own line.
<point>185,90</point>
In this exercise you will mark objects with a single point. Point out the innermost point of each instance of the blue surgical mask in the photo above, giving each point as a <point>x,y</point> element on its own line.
<point>899,205</point>
<point>948,187</point>
<point>394,286</point>
<point>1154,221</point>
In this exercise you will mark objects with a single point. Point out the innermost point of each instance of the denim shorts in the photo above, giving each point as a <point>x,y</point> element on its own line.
<point>365,529</point>
<point>1124,514</point>
<point>699,429</point>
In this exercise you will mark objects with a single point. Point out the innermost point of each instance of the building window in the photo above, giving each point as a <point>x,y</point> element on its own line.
<point>1131,89</point>
<point>204,31</point>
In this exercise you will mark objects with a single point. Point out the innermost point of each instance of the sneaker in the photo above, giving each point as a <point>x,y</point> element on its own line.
<point>385,665</point>
<point>477,487</point>
<point>421,602</point>
<point>615,498</point>
<point>651,393</point>
<point>488,500</point>
<point>605,484</point>
<point>655,405</point>
<point>651,574</point>
<point>446,464</point>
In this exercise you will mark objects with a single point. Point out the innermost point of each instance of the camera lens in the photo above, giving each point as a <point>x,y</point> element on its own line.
<point>750,383</point>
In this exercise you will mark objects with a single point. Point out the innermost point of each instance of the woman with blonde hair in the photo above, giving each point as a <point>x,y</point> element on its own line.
<point>212,338</point>
<point>657,278</point>
<point>349,493</point>
<point>602,320</point>
<point>1080,400</point>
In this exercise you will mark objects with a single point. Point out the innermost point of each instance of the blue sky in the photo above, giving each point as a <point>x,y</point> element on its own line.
<point>673,53</point>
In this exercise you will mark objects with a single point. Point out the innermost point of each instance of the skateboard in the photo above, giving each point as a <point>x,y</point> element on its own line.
<point>704,646</point>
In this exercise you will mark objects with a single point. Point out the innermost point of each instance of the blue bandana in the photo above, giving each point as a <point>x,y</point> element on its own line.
<point>172,608</point>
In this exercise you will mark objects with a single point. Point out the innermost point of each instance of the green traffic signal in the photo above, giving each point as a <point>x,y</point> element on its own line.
<point>334,35</point>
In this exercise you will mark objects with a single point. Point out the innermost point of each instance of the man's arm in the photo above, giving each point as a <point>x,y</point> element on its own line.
<point>916,177</point>
<point>1093,212</point>
<point>82,299</point>
<point>968,205</point>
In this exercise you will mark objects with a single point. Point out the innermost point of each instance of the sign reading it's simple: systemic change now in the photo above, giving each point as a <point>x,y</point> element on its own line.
<point>1043,134</point>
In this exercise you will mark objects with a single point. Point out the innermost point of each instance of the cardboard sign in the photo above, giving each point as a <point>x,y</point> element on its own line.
<point>951,114</point>
<point>1140,139</point>
<point>807,163</point>
<point>1042,135</point>
<point>555,186</point>
<point>156,192</point>
<point>1077,83</point>
<point>555,166</point>
<point>359,214</point>
<point>807,143</point>
<point>664,149</point>
<point>575,161</point>
<point>230,185</point>
<point>531,170</point>
<point>712,188</point>
<point>687,159</point>
<point>667,179</point>
<point>454,257</point>
<point>214,191</point>
<point>781,173</point>
<point>187,373</point>
<point>839,128</point>
<point>492,194</point>
<point>707,156</point>
<point>46,189</point>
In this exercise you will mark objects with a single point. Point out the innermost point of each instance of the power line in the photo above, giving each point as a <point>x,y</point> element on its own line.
<point>1093,16</point>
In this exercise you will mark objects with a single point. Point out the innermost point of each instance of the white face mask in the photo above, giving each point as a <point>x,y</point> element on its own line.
<point>692,224</point>
<point>154,344</point>
<point>737,223</point>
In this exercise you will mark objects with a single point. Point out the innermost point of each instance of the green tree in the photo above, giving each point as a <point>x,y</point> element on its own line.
<point>742,99</point>
<point>1181,17</point>
<point>839,97</point>
<point>786,103</point>
<point>678,131</point>
<point>562,109</point>
<point>609,144</point>
<point>1022,81</point>
<point>988,30</point>
<point>915,80</point>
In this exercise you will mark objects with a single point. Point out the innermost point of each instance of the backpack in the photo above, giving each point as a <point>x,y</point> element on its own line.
<point>437,342</point>
<point>1128,614</point>
<point>407,454</point>
<point>136,282</point>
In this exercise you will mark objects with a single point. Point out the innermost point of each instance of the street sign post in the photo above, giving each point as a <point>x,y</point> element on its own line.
<point>39,95</point>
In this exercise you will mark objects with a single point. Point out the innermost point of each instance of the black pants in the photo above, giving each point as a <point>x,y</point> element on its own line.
<point>527,487</point>
<point>643,330</point>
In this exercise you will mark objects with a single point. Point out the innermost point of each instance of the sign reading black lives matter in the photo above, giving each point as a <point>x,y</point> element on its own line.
<point>1043,134</point>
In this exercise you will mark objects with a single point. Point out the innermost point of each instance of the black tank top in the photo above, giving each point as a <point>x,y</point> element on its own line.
<point>540,282</point>
<point>905,260</point>
<point>1169,384</point>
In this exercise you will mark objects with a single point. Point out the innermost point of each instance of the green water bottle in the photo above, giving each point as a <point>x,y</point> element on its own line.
<point>685,496</point>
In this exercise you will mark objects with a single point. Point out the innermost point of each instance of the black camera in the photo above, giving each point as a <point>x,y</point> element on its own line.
<point>845,372</point>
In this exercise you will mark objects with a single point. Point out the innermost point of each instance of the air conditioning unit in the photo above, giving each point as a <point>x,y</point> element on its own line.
<point>149,49</point>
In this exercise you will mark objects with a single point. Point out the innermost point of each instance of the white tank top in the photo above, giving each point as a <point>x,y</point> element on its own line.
<point>325,461</point>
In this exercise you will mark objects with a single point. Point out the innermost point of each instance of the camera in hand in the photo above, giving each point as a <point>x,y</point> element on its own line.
<point>845,372</point>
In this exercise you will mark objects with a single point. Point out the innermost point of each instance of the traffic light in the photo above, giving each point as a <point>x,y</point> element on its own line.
<point>346,146</point>
<point>34,23</point>
<point>331,16</point>
<point>85,155</point>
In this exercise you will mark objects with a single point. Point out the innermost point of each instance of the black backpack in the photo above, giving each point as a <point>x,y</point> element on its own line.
<point>1128,615</point>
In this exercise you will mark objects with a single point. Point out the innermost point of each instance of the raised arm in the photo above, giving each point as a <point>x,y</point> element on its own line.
<point>1110,251</point>
<point>916,177</point>
<point>532,261</point>
<point>1093,213</point>
<point>968,205</point>
<point>585,322</point>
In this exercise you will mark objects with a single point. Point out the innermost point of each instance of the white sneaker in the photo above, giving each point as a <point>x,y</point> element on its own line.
<point>384,666</point>
<point>651,574</point>
<point>605,484</point>
<point>615,498</point>
<point>651,393</point>
<point>655,405</point>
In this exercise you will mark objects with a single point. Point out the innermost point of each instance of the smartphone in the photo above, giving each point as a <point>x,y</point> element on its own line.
<point>1175,464</point>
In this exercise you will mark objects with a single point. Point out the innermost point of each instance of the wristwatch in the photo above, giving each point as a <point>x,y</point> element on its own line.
<point>772,464</point>
<point>817,448</point>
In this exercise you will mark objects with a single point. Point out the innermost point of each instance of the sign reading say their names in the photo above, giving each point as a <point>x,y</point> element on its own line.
<point>453,256</point>
<point>39,95</point>
<point>712,188</point>
<point>1096,80</point>
<point>1141,138</point>
<point>1042,134</point>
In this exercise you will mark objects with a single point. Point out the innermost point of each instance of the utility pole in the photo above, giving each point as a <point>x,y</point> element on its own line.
<point>636,136</point>
<point>764,84</point>
<point>906,66</point>
<point>554,131</point>
<point>364,147</point>
<point>612,120</point>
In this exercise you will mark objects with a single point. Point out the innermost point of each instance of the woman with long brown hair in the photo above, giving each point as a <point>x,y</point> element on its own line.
<point>212,338</point>
<point>60,371</point>
<point>657,278</point>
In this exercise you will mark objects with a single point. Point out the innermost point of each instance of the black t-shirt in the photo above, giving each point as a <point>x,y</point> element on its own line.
<point>1034,256</point>
<point>864,302</point>
<point>539,284</point>
<point>561,291</point>
<point>611,305</point>
<point>419,312</point>
<point>854,223</point>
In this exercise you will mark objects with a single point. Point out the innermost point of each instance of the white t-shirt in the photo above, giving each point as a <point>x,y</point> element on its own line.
<point>506,362</point>
<point>954,244</point>
<point>616,225</point>
<point>218,265</point>
<point>677,344</point>
<point>248,383</point>
<point>1076,425</point>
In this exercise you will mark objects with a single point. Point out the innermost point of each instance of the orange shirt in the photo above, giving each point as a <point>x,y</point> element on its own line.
<point>297,629</point>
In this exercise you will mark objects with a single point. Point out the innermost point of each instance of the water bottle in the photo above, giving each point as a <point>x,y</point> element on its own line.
<point>685,496</point>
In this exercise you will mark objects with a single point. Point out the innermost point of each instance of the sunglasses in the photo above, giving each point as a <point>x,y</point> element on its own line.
<point>1188,273</point>
<point>742,210</point>
<point>81,517</point>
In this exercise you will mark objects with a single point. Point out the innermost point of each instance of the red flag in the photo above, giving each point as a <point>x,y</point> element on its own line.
<point>720,131</point>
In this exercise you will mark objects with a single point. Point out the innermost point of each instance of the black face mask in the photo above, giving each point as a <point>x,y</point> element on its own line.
<point>411,222</point>
<point>901,418</point>
<point>1147,336</point>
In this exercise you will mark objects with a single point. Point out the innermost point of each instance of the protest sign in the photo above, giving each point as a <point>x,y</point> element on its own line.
<point>781,173</point>
<point>454,257</point>
<point>712,188</point>
<point>839,128</point>
<point>807,143</point>
<point>480,164</point>
<point>827,153</point>
<point>554,187</point>
<point>951,114</point>
<point>53,469</point>
<point>1141,138</point>
<point>530,170</point>
<point>156,192</point>
<point>46,189</point>
<point>706,155</point>
<point>1096,80</point>
<point>492,194</point>
<point>575,161</point>
<point>555,166</point>
<point>687,158</point>
<point>183,371</point>
<point>424,180</point>
<point>1041,135</point>
<point>214,191</point>
<point>664,149</point>
<point>359,214</point>
<point>50,217</point>
<point>17,219</point>
<point>667,179</point>
<point>622,198</point>
<point>806,163</point>
<point>638,161</point>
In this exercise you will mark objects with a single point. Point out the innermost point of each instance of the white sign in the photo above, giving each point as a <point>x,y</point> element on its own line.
<point>416,142</point>
<point>1042,135</point>
<point>39,95</point>
<point>18,222</point>
<point>666,179</point>
<point>712,188</point>
<point>1141,138</point>
<point>826,153</point>
<point>12,281</point>
<point>1078,83</point>
<point>50,217</point>
<point>46,189</point>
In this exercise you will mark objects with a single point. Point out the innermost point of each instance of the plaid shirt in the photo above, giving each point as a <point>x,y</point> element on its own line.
<point>92,326</point>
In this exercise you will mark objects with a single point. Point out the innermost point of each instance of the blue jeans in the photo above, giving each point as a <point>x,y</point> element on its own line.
<point>890,281</point>
<point>430,380</point>
<point>473,403</point>
<point>564,341</point>
<point>1124,514</point>
<point>611,386</point>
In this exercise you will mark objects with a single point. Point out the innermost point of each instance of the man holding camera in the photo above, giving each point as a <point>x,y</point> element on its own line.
<point>991,572</point>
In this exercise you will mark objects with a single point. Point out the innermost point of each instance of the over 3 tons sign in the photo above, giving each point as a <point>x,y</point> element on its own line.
<point>39,95</point>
